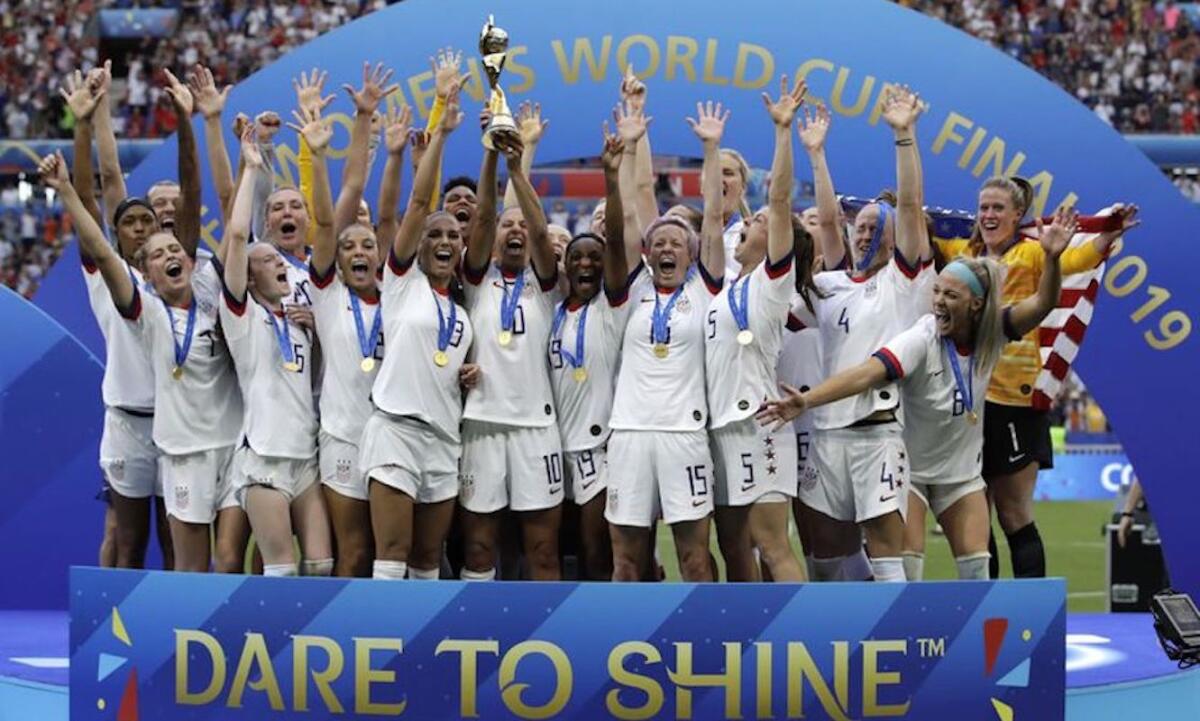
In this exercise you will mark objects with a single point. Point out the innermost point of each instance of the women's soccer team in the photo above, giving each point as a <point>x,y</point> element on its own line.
<point>449,392</point>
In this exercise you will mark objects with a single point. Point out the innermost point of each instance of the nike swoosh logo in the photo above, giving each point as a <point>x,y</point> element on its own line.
<point>885,499</point>
<point>699,502</point>
<point>1014,459</point>
<point>933,375</point>
<point>588,485</point>
<point>555,490</point>
<point>746,488</point>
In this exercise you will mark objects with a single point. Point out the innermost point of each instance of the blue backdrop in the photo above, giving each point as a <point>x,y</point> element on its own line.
<point>988,114</point>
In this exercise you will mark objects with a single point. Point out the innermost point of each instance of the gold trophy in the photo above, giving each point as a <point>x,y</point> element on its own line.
<point>493,46</point>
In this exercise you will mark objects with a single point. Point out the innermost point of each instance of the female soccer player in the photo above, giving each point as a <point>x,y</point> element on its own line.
<point>658,454</point>
<point>745,327</point>
<point>942,364</point>
<point>275,469</point>
<point>585,343</point>
<point>197,404</point>
<point>859,454</point>
<point>411,446</point>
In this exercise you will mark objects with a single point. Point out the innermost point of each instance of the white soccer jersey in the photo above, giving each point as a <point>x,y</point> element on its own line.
<point>410,382</point>
<point>127,376</point>
<point>945,447</point>
<point>584,406</point>
<point>740,377</point>
<point>280,419</point>
<point>514,389</point>
<point>664,394</point>
<point>345,386</point>
<point>731,237</point>
<point>298,278</point>
<point>800,367</point>
<point>858,316</point>
<point>202,409</point>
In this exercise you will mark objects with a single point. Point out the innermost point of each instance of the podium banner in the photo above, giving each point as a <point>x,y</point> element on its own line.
<point>155,645</point>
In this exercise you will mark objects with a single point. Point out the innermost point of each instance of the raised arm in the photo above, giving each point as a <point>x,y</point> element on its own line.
<point>481,235</point>
<point>1127,215</point>
<point>210,103</point>
<point>640,173</point>
<point>616,259</point>
<point>238,231</point>
<point>901,110</point>
<point>316,132</point>
<point>709,126</point>
<point>354,178</point>
<point>82,97</point>
<point>92,242</point>
<point>813,131</point>
<point>112,180</point>
<point>632,126</point>
<point>395,137</point>
<point>425,182</point>
<point>779,196</point>
<point>187,213</point>
<point>446,79</point>
<point>1029,313</point>
<point>266,125</point>
<point>541,250</point>
<point>850,382</point>
<point>531,127</point>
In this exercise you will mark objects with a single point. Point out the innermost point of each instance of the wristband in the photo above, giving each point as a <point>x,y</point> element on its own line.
<point>904,142</point>
<point>1126,514</point>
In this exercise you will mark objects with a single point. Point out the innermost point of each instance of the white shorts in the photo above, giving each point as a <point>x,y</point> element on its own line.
<point>196,486</point>
<point>128,456</point>
<point>410,456</point>
<point>773,497</point>
<point>512,466</point>
<point>289,476</point>
<point>862,473</point>
<point>751,460</point>
<point>938,497</point>
<point>339,467</point>
<point>808,476</point>
<point>651,471</point>
<point>587,473</point>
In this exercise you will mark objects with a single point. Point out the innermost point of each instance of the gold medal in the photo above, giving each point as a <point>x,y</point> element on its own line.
<point>972,417</point>
<point>580,374</point>
<point>177,372</point>
<point>367,365</point>
<point>440,359</point>
<point>745,337</point>
<point>661,350</point>
<point>506,337</point>
<point>291,367</point>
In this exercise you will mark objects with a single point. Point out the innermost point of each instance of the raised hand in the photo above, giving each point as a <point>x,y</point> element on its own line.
<point>633,91</point>
<point>309,89</point>
<point>210,102</point>
<point>453,116</point>
<point>512,147</point>
<point>901,107</point>
<point>396,128</point>
<point>1128,216</point>
<point>814,127</point>
<point>783,110</point>
<point>614,149</point>
<point>181,97</point>
<point>1057,236</point>
<point>100,79</point>
<point>631,122</point>
<point>316,131</point>
<point>530,123</point>
<point>366,99</point>
<point>53,169</point>
<point>785,409</point>
<point>251,155</point>
<point>266,125</point>
<point>446,71</point>
<point>80,96</point>
<point>709,123</point>
<point>420,143</point>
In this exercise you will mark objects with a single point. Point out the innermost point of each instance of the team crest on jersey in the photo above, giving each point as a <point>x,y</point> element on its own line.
<point>205,306</point>
<point>343,470</point>
<point>116,469</point>
<point>466,486</point>
<point>808,478</point>
<point>181,496</point>
<point>871,288</point>
<point>683,305</point>
<point>612,499</point>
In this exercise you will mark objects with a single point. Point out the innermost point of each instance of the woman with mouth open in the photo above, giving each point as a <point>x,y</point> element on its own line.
<point>942,364</point>
<point>859,453</point>
<point>275,468</point>
<point>197,403</point>
<point>658,454</point>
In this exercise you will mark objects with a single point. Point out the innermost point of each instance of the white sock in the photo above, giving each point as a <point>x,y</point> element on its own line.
<point>424,575</point>
<point>319,567</point>
<point>469,575</point>
<point>856,567</point>
<point>826,569</point>
<point>914,565</point>
<point>889,569</point>
<point>974,566</point>
<point>393,570</point>
<point>279,569</point>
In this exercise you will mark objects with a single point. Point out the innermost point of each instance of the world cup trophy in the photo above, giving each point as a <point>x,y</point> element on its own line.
<point>493,46</point>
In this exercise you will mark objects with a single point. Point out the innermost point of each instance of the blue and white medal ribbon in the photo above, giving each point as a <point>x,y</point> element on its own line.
<point>508,308</point>
<point>660,332</point>
<point>181,349</point>
<point>445,330</point>
<point>283,337</point>
<point>738,307</point>
<point>366,343</point>
<point>574,360</point>
<point>885,212</point>
<point>965,390</point>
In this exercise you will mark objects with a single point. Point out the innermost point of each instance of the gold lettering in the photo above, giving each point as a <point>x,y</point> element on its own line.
<point>762,673</point>
<point>710,64</point>
<point>873,678</point>
<point>582,52</point>
<point>524,72</point>
<point>1041,192</point>
<point>880,102</point>
<point>322,679</point>
<point>475,85</point>
<point>468,669</point>
<point>684,677</point>
<point>423,90</point>
<point>618,673</point>
<point>947,133</point>
<point>364,676</point>
<point>563,680</point>
<point>995,153</point>
<point>346,122</point>
<point>807,67</point>
<point>745,50</point>
<point>654,55</point>
<point>968,152</point>
<point>213,689</point>
<point>682,51</point>
<point>254,653</point>
<point>800,665</point>
<point>839,87</point>
<point>1069,201</point>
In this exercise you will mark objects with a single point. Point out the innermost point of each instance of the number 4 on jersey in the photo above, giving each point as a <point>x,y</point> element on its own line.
<point>844,321</point>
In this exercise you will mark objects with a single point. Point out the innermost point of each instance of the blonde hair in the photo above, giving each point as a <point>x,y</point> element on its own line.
<point>1021,199</point>
<point>989,324</point>
<point>743,169</point>
<point>693,240</point>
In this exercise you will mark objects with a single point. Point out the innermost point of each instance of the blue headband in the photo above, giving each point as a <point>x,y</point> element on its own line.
<point>963,272</point>
<point>885,212</point>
